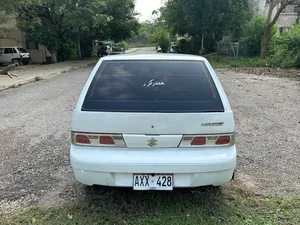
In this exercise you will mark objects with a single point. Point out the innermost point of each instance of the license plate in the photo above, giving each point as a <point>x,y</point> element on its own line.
<point>153,182</point>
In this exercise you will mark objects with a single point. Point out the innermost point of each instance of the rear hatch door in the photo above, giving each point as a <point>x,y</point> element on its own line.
<point>152,103</point>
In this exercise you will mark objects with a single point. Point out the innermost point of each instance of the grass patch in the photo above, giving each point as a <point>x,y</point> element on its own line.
<point>195,206</point>
<point>37,78</point>
<point>229,62</point>
<point>14,85</point>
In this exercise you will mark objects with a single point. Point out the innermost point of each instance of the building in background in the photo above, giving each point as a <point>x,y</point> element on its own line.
<point>286,19</point>
<point>10,35</point>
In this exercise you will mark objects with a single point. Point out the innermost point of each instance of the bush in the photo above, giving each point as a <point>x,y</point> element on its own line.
<point>70,50</point>
<point>161,37</point>
<point>123,45</point>
<point>185,46</point>
<point>287,48</point>
<point>254,30</point>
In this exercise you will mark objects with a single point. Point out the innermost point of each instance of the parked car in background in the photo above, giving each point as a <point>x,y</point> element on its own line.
<point>158,49</point>
<point>16,55</point>
<point>103,51</point>
<point>118,50</point>
<point>153,122</point>
<point>174,49</point>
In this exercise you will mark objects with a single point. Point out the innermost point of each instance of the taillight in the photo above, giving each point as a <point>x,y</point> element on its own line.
<point>106,140</point>
<point>223,140</point>
<point>82,139</point>
<point>88,139</point>
<point>199,141</point>
<point>207,140</point>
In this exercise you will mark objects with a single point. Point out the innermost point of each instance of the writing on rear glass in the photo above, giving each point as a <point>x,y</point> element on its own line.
<point>153,83</point>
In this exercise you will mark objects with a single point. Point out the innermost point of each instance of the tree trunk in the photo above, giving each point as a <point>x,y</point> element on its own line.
<point>79,48</point>
<point>61,53</point>
<point>270,23</point>
<point>53,55</point>
<point>264,42</point>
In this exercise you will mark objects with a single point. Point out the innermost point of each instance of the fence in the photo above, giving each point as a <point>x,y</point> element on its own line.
<point>241,49</point>
<point>232,49</point>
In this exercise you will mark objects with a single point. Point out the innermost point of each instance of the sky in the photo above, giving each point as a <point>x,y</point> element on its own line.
<point>146,7</point>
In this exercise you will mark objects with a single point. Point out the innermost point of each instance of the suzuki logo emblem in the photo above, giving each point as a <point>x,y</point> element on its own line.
<point>152,142</point>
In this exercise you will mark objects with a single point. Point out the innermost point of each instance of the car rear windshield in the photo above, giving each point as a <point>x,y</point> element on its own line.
<point>22,50</point>
<point>152,86</point>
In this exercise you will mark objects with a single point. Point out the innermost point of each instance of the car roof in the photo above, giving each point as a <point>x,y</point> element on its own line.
<point>154,56</point>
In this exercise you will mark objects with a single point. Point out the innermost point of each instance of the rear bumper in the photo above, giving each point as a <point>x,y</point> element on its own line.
<point>190,167</point>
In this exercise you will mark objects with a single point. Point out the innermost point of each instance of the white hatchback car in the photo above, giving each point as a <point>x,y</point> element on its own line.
<point>153,122</point>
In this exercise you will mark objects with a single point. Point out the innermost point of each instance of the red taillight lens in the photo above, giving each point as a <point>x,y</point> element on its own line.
<point>106,140</point>
<point>82,139</point>
<point>199,141</point>
<point>223,140</point>
<point>97,140</point>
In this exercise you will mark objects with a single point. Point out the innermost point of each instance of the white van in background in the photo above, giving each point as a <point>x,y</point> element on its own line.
<point>9,55</point>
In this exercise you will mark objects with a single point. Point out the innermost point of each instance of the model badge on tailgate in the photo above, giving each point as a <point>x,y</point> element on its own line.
<point>212,124</point>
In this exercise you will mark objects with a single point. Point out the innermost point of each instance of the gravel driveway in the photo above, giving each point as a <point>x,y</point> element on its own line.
<point>267,115</point>
<point>35,127</point>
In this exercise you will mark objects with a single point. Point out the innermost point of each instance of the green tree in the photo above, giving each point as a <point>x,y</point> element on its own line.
<point>161,37</point>
<point>122,23</point>
<point>63,24</point>
<point>254,30</point>
<point>145,30</point>
<point>10,8</point>
<point>205,19</point>
<point>78,21</point>
<point>270,22</point>
<point>287,48</point>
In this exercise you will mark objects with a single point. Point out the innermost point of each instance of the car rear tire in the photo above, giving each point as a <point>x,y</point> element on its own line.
<point>16,61</point>
<point>25,63</point>
<point>209,188</point>
<point>97,189</point>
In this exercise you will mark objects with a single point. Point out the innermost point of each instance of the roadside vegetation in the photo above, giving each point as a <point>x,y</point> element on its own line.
<point>283,50</point>
<point>261,44</point>
<point>37,78</point>
<point>286,50</point>
<point>141,39</point>
<point>229,205</point>
<point>231,62</point>
<point>68,28</point>
<point>14,85</point>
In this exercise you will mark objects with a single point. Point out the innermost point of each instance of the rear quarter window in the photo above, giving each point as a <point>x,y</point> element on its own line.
<point>152,86</point>
<point>22,50</point>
